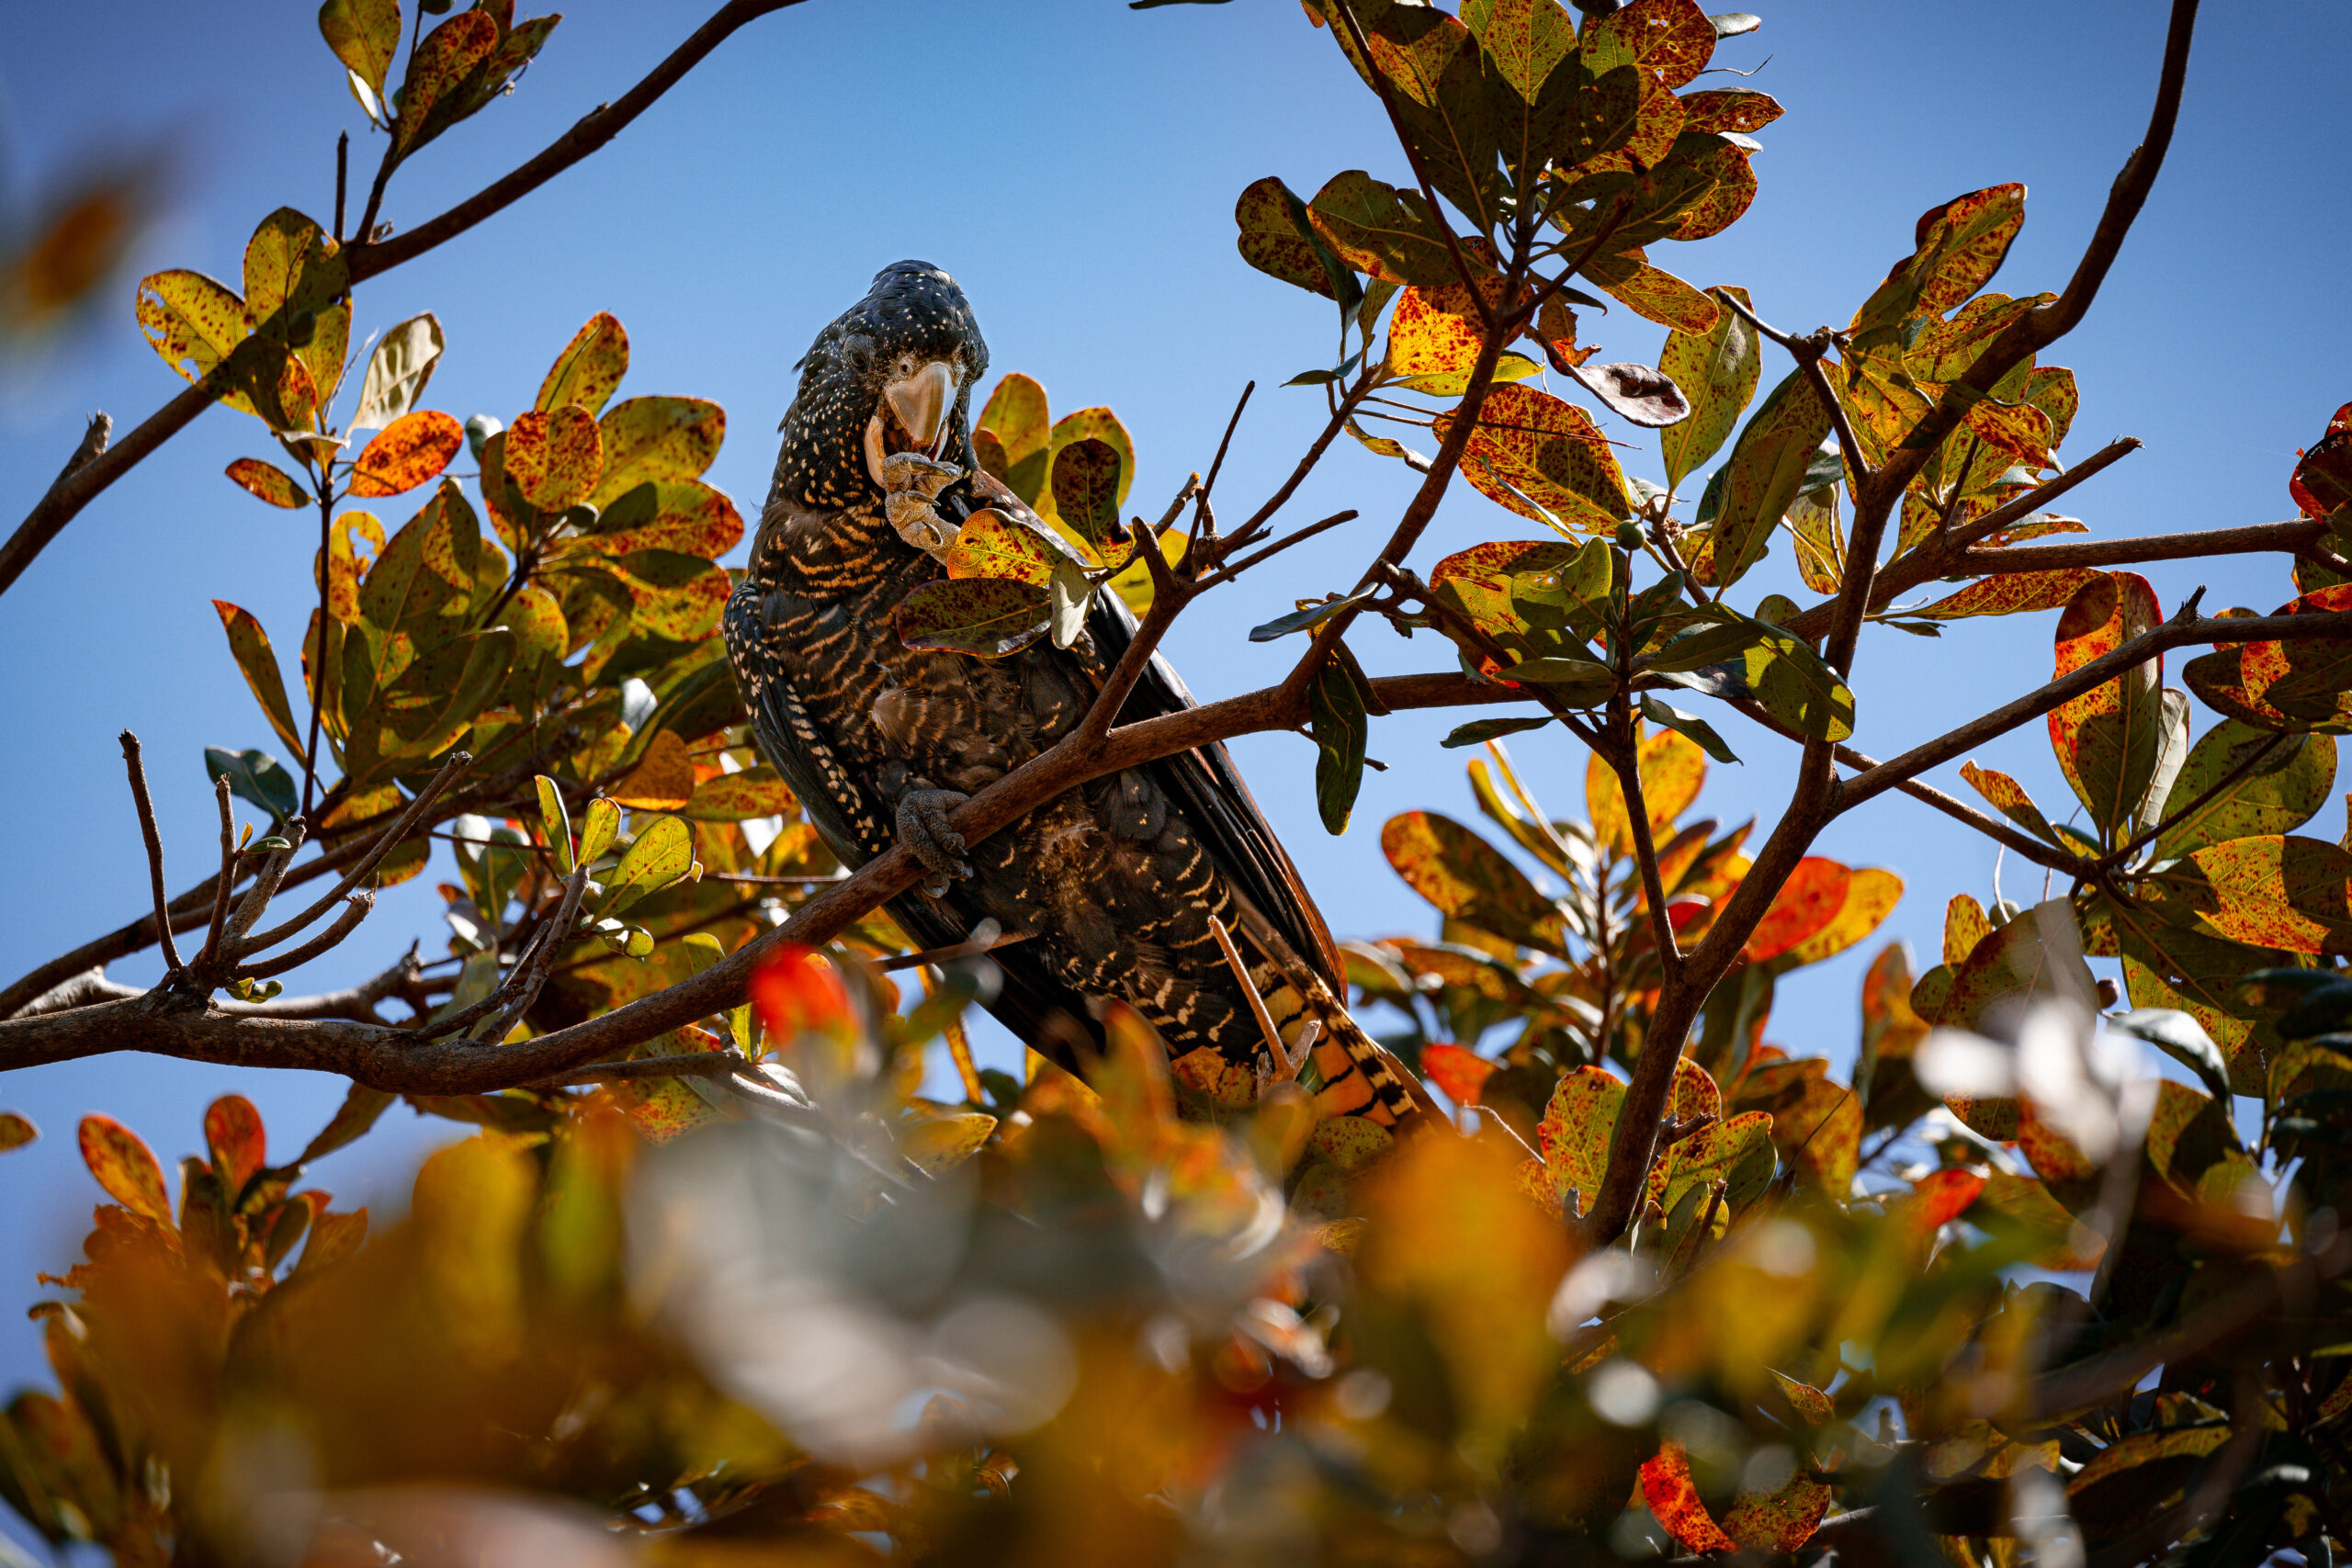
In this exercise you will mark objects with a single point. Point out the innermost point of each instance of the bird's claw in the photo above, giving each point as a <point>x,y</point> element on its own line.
<point>910,485</point>
<point>904,472</point>
<point>924,827</point>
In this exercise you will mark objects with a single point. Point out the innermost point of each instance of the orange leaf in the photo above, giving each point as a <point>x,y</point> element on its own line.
<point>413,449</point>
<point>797,991</point>
<point>1674,1500</point>
<point>267,481</point>
<point>1939,1197</point>
<point>1458,1072</point>
<point>233,1131</point>
<point>126,1168</point>
<point>1872,894</point>
<point>1781,1522</point>
<point>1545,460</point>
<point>555,458</point>
<point>663,779</point>
<point>1809,900</point>
<point>1672,770</point>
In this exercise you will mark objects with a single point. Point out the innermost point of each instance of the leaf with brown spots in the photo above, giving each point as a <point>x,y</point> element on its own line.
<point>1523,37</point>
<point>1654,294</point>
<point>663,779</point>
<point>554,458</point>
<point>1737,1152</point>
<point>1781,1522</point>
<point>2008,797</point>
<point>1578,1121</point>
<point>1717,371</point>
<point>740,797</point>
<point>656,438</point>
<point>1381,232</point>
<point>2271,891</point>
<point>1806,902</point>
<point>196,324</point>
<point>1956,250</point>
<point>589,368</point>
<point>411,451</point>
<point>988,545</point>
<point>1728,108</point>
<point>1808,1401</point>
<point>437,69</point>
<point>684,516</point>
<point>126,1168</point>
<point>1545,460</point>
<point>678,596</point>
<point>1673,1499</point>
<point>2322,478</point>
<point>1468,878</point>
<point>2280,782</point>
<point>1768,466</point>
<point>1278,240</point>
<point>2010,593</point>
<point>267,481</point>
<point>1086,486</point>
<point>1015,421</point>
<point>345,566</point>
<point>1672,39</point>
<point>1965,925</point>
<point>985,616</point>
<point>249,645</point>
<point>2107,738</point>
<point>366,36</point>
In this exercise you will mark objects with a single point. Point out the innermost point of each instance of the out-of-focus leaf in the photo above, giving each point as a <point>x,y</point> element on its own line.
<point>267,481</point>
<point>555,457</point>
<point>126,1168</point>
<point>1468,878</point>
<point>663,851</point>
<point>1782,1521</point>
<point>555,823</point>
<point>334,1237</point>
<point>1672,770</point>
<point>1806,902</point>
<point>663,779</point>
<point>985,616</point>
<point>678,595</point>
<point>397,372</point>
<point>1673,1499</point>
<point>15,1131</point>
<point>1457,1071</point>
<point>1767,472</point>
<point>409,452</point>
<point>598,829</point>
<point>589,368</point>
<point>249,645</point>
<point>256,776</point>
<point>740,797</point>
<point>1717,371</point>
<point>235,1137</point>
<point>1870,897</point>
<point>2183,1039</point>
<point>2277,791</point>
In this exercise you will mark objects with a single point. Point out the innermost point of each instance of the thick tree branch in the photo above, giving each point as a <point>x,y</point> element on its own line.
<point>2290,537</point>
<point>79,487</point>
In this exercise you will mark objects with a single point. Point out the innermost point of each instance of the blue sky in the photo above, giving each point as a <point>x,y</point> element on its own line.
<point>1075,164</point>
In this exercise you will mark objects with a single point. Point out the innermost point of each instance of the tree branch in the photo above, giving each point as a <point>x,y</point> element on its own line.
<point>2290,537</point>
<point>154,840</point>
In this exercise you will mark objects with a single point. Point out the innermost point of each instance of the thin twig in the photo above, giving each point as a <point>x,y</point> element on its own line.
<point>223,883</point>
<point>458,761</point>
<point>147,829</point>
<point>977,946</point>
<point>353,911</point>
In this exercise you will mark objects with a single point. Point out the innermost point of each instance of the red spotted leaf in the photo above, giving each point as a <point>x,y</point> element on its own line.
<point>1784,1521</point>
<point>2008,797</point>
<point>589,368</point>
<point>1578,1121</point>
<point>126,1168</point>
<point>1672,39</point>
<point>1870,897</point>
<point>555,456</point>
<point>407,453</point>
<point>1468,878</point>
<point>267,481</point>
<point>2323,479</point>
<point>1809,900</point>
<point>1673,1499</point>
<point>1545,460</point>
<point>2108,739</point>
<point>2010,593</point>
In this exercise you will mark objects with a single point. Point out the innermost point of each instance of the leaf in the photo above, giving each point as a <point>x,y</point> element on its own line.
<point>269,483</point>
<point>661,853</point>
<point>1336,718</point>
<point>2277,791</point>
<point>1308,616</point>
<point>234,1135</point>
<point>1015,416</point>
<point>589,368</point>
<point>196,324</point>
<point>985,616</point>
<point>397,372</point>
<point>249,645</point>
<point>1478,731</point>
<point>1633,392</point>
<point>437,68</point>
<point>1735,109</point>
<point>673,594</point>
<point>1688,724</point>
<point>1781,1522</point>
<point>1380,232</point>
<point>2010,593</point>
<point>1097,425</point>
<point>1673,1499</point>
<point>2008,797</point>
<point>344,565</point>
<point>1086,491</point>
<point>1545,460</point>
<point>1806,902</point>
<point>1457,1072</point>
<point>407,453</point>
<point>15,1132</point>
<point>126,1168</point>
<point>1578,1121</point>
<point>1672,770</point>
<point>1870,897</point>
<point>555,823</point>
<point>598,829</point>
<point>2182,1038</point>
<point>1672,39</point>
<point>254,776</point>
<point>740,797</point>
<point>656,438</point>
<point>938,1144</point>
<point>365,35</point>
<point>2268,890</point>
<point>554,458</point>
<point>1767,473</point>
<point>663,779</point>
<point>1277,238</point>
<point>332,1238</point>
<point>1657,295</point>
<point>2107,738</point>
<point>1790,680</point>
<point>1958,247</point>
<point>1717,371</point>
<point>1468,878</point>
<point>1525,38</point>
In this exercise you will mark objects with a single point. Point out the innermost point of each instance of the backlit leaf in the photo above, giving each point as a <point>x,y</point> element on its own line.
<point>1672,770</point>
<point>1015,415</point>
<point>1673,1499</point>
<point>677,595</point>
<point>1717,371</point>
<point>1670,39</point>
<point>1457,1072</point>
<point>365,35</point>
<point>656,438</point>
<point>437,71</point>
<point>196,324</point>
<point>684,515</point>
<point>1468,878</point>
<point>1766,473</point>
<point>740,797</point>
<point>1336,717</point>
<point>15,1132</point>
<point>663,779</point>
<point>1524,38</point>
<point>589,368</point>
<point>555,457</point>
<point>1870,897</point>
<point>249,645</point>
<point>126,1168</point>
<point>1086,490</point>
<point>1380,231</point>
<point>1806,902</point>
<point>1531,446</point>
<point>397,372</point>
<point>411,451</point>
<point>1728,108</point>
<point>1277,240</point>
<point>233,1132</point>
<point>2008,797</point>
<point>598,829</point>
<point>661,853</point>
<point>2107,738</point>
<point>2008,594</point>
<point>269,483</point>
<point>1783,1521</point>
<point>1578,1121</point>
<point>2281,780</point>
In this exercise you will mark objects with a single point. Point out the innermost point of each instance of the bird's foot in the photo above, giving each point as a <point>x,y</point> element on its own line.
<point>924,827</point>
<point>911,484</point>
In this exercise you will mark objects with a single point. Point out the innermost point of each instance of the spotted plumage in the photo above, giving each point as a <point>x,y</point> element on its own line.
<point>1115,885</point>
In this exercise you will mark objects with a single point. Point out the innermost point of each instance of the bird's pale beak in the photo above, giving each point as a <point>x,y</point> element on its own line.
<point>921,402</point>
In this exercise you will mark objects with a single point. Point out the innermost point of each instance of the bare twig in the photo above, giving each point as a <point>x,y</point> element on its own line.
<point>223,883</point>
<point>986,938</point>
<point>458,762</point>
<point>154,849</point>
<point>353,911</point>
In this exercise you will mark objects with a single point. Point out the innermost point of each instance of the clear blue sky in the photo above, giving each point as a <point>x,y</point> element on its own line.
<point>1075,164</point>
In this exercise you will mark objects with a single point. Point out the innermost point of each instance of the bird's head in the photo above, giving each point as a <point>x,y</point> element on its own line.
<point>893,373</point>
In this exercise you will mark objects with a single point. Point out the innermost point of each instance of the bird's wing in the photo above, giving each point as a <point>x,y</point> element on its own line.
<point>1204,781</point>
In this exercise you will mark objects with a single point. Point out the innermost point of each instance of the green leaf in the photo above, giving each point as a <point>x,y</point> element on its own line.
<point>256,776</point>
<point>1717,371</point>
<point>598,829</point>
<point>1578,682</point>
<point>1525,38</point>
<point>397,372</point>
<point>589,368</point>
<point>1020,437</point>
<point>290,268</point>
<point>661,853</point>
<point>1478,731</point>
<point>2277,793</point>
<point>1690,726</point>
<point>1337,718</point>
<point>1307,616</point>
<point>1766,473</point>
<point>656,438</point>
<point>1086,491</point>
<point>555,823</point>
<point>673,594</point>
<point>249,645</point>
<point>1277,238</point>
<point>985,616</point>
<point>470,668</point>
<point>1380,231</point>
<point>365,35</point>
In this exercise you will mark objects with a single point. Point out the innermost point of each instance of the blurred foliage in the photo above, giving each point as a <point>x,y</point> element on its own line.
<point>2000,1297</point>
